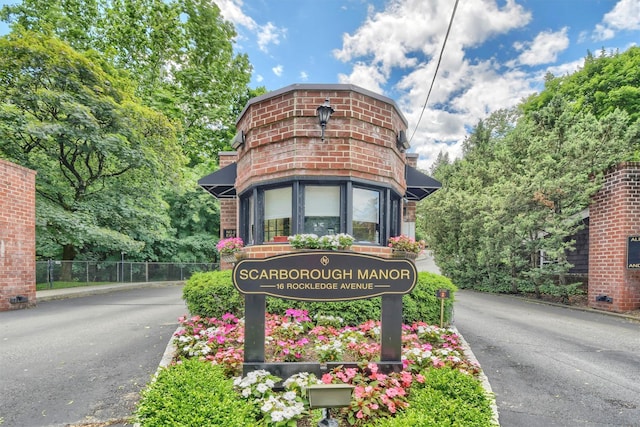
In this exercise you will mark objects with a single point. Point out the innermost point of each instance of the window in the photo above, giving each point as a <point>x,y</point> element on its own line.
<point>277,213</point>
<point>366,215</point>
<point>322,207</point>
<point>322,210</point>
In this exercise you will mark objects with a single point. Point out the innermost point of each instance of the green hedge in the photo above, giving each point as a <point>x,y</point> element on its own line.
<point>196,394</point>
<point>212,294</point>
<point>449,398</point>
<point>193,394</point>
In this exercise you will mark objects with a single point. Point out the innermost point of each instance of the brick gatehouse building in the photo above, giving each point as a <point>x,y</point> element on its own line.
<point>290,176</point>
<point>285,178</point>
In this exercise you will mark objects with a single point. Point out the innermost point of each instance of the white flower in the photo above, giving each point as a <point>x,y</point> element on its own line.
<point>289,396</point>
<point>262,388</point>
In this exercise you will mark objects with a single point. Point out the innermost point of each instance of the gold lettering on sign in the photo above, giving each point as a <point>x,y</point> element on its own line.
<point>634,266</point>
<point>634,239</point>
<point>386,274</point>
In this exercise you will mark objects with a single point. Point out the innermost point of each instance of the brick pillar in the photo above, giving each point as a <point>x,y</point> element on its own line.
<point>17,237</point>
<point>614,215</point>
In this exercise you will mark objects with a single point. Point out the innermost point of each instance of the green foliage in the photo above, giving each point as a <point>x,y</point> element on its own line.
<point>195,394</point>
<point>448,398</point>
<point>181,52</point>
<point>74,119</point>
<point>422,305</point>
<point>519,192</point>
<point>352,312</point>
<point>212,294</point>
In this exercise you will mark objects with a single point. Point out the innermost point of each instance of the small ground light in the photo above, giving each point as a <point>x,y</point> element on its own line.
<point>329,396</point>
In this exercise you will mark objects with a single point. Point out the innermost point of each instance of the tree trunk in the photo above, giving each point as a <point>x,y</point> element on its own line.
<point>68,255</point>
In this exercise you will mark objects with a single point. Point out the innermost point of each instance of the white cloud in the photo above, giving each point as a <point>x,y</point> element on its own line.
<point>544,48</point>
<point>267,34</point>
<point>366,76</point>
<point>625,15</point>
<point>231,10</point>
<point>304,76</point>
<point>278,70</point>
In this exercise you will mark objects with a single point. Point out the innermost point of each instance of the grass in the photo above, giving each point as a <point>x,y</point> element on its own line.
<point>64,285</point>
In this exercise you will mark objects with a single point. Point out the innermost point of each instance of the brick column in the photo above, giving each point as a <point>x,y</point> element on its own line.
<point>614,216</point>
<point>17,237</point>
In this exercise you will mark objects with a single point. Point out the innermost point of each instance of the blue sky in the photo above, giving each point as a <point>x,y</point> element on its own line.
<point>497,53</point>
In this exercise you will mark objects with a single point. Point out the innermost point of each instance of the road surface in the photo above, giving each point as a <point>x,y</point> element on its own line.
<point>81,360</point>
<point>553,366</point>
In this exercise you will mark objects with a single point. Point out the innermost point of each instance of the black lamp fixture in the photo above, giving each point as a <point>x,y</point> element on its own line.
<point>324,113</point>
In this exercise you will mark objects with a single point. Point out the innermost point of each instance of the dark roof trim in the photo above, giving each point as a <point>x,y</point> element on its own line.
<point>419,185</point>
<point>221,183</point>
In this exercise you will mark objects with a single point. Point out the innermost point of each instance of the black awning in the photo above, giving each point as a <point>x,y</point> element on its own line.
<point>419,185</point>
<point>221,183</point>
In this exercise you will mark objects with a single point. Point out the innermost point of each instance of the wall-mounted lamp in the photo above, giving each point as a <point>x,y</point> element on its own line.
<point>324,113</point>
<point>402,142</point>
<point>238,140</point>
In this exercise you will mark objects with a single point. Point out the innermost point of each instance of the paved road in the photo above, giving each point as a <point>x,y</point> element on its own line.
<point>553,366</point>
<point>79,360</point>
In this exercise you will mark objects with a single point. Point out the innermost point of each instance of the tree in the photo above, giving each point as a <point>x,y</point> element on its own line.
<point>180,52</point>
<point>100,155</point>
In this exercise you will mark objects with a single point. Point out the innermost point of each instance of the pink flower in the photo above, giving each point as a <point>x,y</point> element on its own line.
<point>360,415</point>
<point>327,378</point>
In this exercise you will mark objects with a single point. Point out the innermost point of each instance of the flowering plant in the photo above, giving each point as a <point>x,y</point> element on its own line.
<point>230,245</point>
<point>329,242</point>
<point>376,394</point>
<point>406,244</point>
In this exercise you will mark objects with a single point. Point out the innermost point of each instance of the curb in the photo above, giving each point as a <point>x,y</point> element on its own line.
<point>568,306</point>
<point>466,348</point>
<point>85,291</point>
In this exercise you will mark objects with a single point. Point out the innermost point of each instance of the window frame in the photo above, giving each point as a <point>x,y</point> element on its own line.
<point>389,214</point>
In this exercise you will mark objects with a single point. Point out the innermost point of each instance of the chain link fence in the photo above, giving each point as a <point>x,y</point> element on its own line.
<point>94,272</point>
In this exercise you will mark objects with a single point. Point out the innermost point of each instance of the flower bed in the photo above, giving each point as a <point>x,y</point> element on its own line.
<point>296,337</point>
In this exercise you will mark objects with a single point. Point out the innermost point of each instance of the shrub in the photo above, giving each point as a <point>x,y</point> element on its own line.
<point>196,394</point>
<point>352,312</point>
<point>212,294</point>
<point>422,305</point>
<point>447,397</point>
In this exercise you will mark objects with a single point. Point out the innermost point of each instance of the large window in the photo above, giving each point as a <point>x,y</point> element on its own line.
<point>322,210</point>
<point>324,207</point>
<point>277,213</point>
<point>366,215</point>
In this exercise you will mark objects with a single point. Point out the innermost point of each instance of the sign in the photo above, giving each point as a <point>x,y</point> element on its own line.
<point>325,276</point>
<point>633,252</point>
<point>228,232</point>
<point>443,293</point>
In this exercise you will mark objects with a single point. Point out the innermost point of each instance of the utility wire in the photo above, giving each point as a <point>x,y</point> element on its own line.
<point>453,14</point>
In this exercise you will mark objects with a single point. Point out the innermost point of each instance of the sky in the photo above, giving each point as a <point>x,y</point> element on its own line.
<point>496,54</point>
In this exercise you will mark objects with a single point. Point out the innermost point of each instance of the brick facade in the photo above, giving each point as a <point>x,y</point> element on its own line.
<point>614,216</point>
<point>17,236</point>
<point>283,137</point>
<point>282,140</point>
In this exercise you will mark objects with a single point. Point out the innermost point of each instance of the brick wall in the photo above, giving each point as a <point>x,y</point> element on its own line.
<point>614,215</point>
<point>17,236</point>
<point>283,140</point>
<point>283,137</point>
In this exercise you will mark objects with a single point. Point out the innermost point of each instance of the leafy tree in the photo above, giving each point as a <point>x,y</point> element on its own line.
<point>100,155</point>
<point>180,52</point>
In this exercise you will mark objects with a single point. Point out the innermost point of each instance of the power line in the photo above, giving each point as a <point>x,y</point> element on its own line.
<point>453,14</point>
